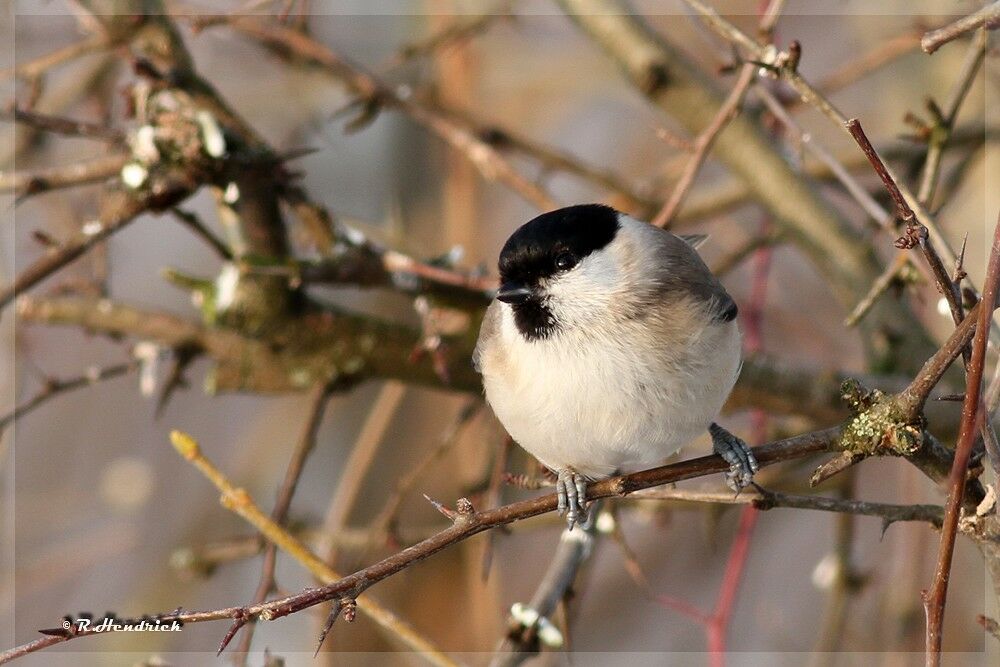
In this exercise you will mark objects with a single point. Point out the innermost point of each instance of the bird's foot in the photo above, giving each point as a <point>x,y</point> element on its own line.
<point>571,490</point>
<point>739,456</point>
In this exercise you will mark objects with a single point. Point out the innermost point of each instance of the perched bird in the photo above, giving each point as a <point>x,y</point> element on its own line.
<point>610,346</point>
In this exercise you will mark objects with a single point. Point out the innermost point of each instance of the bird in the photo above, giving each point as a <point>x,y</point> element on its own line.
<point>608,347</point>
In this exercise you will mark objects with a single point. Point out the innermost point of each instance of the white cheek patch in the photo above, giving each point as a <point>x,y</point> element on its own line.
<point>585,291</point>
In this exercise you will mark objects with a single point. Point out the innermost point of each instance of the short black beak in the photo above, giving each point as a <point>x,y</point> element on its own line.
<point>513,293</point>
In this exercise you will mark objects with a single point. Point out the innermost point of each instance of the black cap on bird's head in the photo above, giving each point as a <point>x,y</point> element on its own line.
<point>544,247</point>
<point>552,243</point>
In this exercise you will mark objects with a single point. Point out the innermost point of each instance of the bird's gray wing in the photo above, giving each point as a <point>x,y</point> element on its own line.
<point>489,329</point>
<point>682,269</point>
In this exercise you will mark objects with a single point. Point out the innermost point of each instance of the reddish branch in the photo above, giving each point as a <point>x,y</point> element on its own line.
<point>972,414</point>
<point>916,233</point>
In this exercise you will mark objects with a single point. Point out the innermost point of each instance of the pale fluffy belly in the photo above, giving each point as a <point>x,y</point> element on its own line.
<point>605,412</point>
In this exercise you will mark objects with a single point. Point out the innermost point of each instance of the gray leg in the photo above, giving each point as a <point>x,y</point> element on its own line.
<point>739,456</point>
<point>571,491</point>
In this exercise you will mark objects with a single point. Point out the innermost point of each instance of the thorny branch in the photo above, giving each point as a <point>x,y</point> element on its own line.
<point>466,524</point>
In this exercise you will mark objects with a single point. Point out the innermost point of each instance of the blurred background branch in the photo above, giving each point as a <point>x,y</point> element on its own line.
<point>299,291</point>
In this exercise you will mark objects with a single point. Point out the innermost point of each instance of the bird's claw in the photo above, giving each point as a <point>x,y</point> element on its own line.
<point>571,492</point>
<point>739,456</point>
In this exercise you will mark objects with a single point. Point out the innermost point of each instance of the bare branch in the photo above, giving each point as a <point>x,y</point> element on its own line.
<point>972,415</point>
<point>810,95</point>
<point>117,211</point>
<point>194,223</point>
<point>374,95</point>
<point>765,500</point>
<point>35,68</point>
<point>468,525</point>
<point>916,233</point>
<point>283,501</point>
<point>239,501</point>
<point>53,387</point>
<point>988,17</point>
<point>703,144</point>
<point>676,86</point>
<point>67,126</point>
<point>885,52</point>
<point>25,183</point>
<point>878,214</point>
<point>944,122</point>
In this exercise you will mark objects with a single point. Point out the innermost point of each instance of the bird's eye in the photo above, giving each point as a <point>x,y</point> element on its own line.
<point>565,261</point>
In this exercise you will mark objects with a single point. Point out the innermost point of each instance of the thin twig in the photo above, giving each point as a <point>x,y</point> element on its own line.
<point>35,68</point>
<point>889,277</point>
<point>279,513</point>
<point>471,523</point>
<point>885,52</point>
<point>703,144</point>
<point>118,211</point>
<point>385,524</point>
<point>810,95</point>
<point>988,17</point>
<point>374,94</point>
<point>194,223</point>
<point>878,214</point>
<point>239,501</point>
<point>67,126</point>
<point>916,232</point>
<point>53,387</point>
<point>944,124</point>
<point>553,159</point>
<point>26,183</point>
<point>972,413</point>
<point>361,458</point>
<point>766,500</point>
